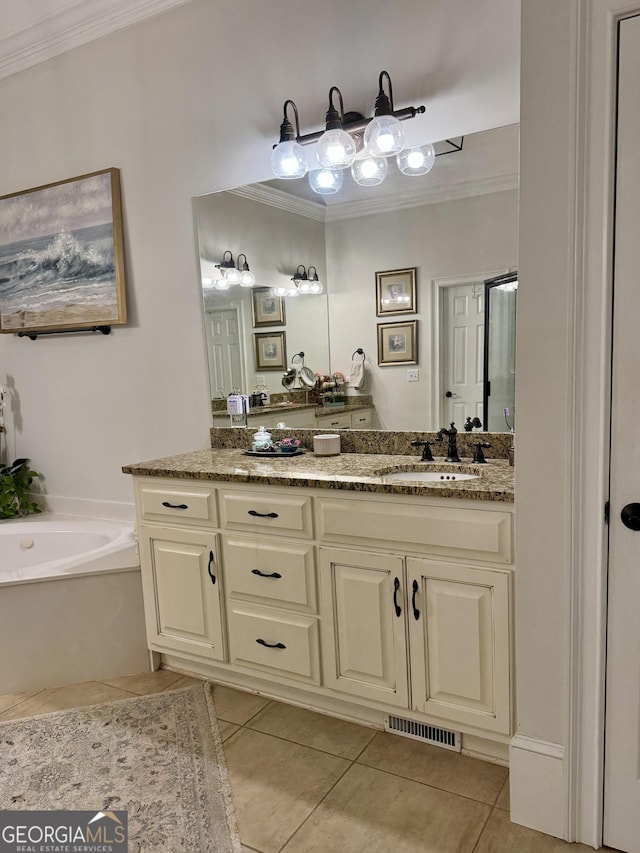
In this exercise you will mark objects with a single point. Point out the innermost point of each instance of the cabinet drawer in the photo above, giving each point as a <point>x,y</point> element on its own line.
<point>361,420</point>
<point>281,574</point>
<point>187,505</point>
<point>266,511</point>
<point>449,531</point>
<point>342,421</point>
<point>280,643</point>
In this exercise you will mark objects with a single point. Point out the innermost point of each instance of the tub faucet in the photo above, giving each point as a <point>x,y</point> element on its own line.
<point>452,449</point>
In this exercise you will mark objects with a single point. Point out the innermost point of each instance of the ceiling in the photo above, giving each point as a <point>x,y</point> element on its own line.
<point>32,31</point>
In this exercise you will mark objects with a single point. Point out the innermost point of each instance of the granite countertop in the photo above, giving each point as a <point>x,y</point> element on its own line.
<point>359,472</point>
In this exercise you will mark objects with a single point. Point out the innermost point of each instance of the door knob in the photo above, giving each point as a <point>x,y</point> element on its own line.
<point>630,516</point>
<point>448,393</point>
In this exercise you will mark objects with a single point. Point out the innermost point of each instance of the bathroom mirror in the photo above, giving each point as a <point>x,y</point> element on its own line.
<point>456,226</point>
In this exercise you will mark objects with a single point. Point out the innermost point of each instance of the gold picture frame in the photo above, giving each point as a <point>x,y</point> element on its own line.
<point>267,309</point>
<point>398,343</point>
<point>396,292</point>
<point>61,256</point>
<point>270,350</point>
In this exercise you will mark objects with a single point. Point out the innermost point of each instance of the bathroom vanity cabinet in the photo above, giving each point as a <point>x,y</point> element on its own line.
<point>356,605</point>
<point>306,418</point>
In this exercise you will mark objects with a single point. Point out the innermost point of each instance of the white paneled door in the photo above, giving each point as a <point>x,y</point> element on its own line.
<point>622,737</point>
<point>463,336</point>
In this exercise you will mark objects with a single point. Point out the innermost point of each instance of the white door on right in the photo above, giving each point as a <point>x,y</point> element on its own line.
<point>622,729</point>
<point>463,353</point>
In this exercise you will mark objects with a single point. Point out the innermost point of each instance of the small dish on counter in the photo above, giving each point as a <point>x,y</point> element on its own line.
<point>276,453</point>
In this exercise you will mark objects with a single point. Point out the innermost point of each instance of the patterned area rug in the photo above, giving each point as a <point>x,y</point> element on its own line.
<point>158,757</point>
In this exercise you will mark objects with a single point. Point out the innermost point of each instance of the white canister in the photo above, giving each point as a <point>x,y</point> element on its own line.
<point>326,445</point>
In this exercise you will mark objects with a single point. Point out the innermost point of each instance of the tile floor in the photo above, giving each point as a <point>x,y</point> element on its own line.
<point>306,783</point>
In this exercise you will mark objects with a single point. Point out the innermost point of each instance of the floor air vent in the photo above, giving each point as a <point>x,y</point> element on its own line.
<point>427,734</point>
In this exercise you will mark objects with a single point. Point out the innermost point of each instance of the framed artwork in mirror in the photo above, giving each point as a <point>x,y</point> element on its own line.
<point>61,256</point>
<point>270,350</point>
<point>396,292</point>
<point>398,343</point>
<point>267,309</point>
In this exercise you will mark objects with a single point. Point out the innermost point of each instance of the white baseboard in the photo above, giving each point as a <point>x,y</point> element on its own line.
<point>111,510</point>
<point>538,786</point>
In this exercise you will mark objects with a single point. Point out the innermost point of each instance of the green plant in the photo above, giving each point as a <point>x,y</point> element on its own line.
<point>15,489</point>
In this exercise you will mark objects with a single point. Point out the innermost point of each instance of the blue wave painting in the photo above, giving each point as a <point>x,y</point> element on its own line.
<point>62,277</point>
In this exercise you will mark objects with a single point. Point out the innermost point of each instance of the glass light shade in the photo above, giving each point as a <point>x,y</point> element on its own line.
<point>326,181</point>
<point>280,291</point>
<point>370,172</point>
<point>288,160</point>
<point>384,136</point>
<point>247,278</point>
<point>293,291</point>
<point>232,275</point>
<point>417,161</point>
<point>336,149</point>
<point>304,286</point>
<point>207,282</point>
<point>222,284</point>
<point>315,287</point>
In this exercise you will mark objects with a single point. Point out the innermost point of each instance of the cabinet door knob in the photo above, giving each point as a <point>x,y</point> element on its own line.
<point>211,563</point>
<point>396,587</point>
<point>416,612</point>
<point>630,516</point>
<point>271,645</point>
<point>174,506</point>
<point>257,514</point>
<point>260,574</point>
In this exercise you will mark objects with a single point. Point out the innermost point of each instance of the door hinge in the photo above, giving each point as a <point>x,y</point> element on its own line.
<point>606,512</point>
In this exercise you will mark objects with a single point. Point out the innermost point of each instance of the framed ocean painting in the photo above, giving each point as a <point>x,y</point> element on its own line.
<point>61,256</point>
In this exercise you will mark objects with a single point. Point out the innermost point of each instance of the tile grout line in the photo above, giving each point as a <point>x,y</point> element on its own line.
<point>481,833</point>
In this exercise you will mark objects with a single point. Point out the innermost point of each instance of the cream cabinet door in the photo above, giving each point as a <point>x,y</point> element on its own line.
<point>459,640</point>
<point>181,583</point>
<point>363,625</point>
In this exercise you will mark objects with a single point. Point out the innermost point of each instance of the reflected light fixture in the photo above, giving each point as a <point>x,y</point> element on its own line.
<point>304,282</point>
<point>416,161</point>
<point>384,136</point>
<point>247,278</point>
<point>326,181</point>
<point>370,171</point>
<point>230,274</point>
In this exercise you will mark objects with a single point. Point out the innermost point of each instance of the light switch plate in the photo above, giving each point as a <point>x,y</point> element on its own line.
<point>413,375</point>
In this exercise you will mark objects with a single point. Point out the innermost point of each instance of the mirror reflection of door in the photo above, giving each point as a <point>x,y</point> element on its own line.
<point>463,338</point>
<point>225,349</point>
<point>500,351</point>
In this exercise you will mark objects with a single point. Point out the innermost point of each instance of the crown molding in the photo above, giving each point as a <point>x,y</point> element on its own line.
<point>419,197</point>
<point>381,204</point>
<point>83,22</point>
<point>285,201</point>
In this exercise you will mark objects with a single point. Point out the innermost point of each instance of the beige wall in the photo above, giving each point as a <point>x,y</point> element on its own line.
<point>186,103</point>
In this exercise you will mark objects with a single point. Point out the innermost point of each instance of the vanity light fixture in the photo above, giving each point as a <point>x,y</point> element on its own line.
<point>230,274</point>
<point>339,143</point>
<point>247,278</point>
<point>303,282</point>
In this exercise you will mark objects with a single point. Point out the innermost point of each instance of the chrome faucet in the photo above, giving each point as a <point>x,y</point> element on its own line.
<point>452,449</point>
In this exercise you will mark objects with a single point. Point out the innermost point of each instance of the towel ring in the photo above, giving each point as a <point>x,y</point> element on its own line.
<point>359,351</point>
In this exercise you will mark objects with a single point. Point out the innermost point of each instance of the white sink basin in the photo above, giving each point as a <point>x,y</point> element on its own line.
<point>426,477</point>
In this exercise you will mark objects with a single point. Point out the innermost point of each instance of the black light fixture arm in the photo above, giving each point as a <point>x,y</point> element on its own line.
<point>287,133</point>
<point>335,119</point>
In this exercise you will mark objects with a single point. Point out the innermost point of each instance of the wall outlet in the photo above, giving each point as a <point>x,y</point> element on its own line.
<point>413,375</point>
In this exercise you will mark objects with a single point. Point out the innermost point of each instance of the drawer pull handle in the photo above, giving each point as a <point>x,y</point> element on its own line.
<point>416,612</point>
<point>271,645</point>
<point>212,562</point>
<point>257,514</point>
<point>275,575</point>
<point>396,587</point>
<point>174,506</point>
